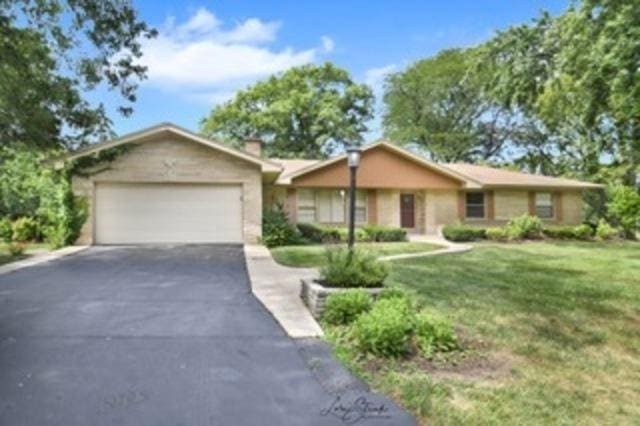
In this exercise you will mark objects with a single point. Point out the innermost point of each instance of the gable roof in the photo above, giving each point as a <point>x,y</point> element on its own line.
<point>493,177</point>
<point>314,165</point>
<point>266,165</point>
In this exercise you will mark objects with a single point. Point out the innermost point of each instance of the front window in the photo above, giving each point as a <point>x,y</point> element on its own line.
<point>544,205</point>
<point>475,205</point>
<point>329,206</point>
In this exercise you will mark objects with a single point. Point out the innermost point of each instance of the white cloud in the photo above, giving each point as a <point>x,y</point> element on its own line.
<point>327,44</point>
<point>374,77</point>
<point>206,60</point>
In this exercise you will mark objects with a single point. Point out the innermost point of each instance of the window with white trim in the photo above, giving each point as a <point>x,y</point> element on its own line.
<point>544,205</point>
<point>329,206</point>
<point>474,208</point>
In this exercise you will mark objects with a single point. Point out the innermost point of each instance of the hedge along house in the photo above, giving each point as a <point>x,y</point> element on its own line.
<point>169,185</point>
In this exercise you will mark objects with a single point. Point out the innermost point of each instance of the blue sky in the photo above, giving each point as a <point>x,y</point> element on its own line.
<point>207,50</point>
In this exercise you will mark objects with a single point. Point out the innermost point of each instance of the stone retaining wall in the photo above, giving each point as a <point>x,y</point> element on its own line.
<point>315,295</point>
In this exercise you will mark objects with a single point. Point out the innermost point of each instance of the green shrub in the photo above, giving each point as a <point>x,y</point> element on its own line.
<point>355,268</point>
<point>583,232</point>
<point>434,334</point>
<point>380,233</point>
<point>497,234</point>
<point>559,232</point>
<point>524,227</point>
<point>276,229</point>
<point>358,234</point>
<point>344,308</point>
<point>63,214</point>
<point>460,232</point>
<point>322,234</point>
<point>624,208</point>
<point>6,230</point>
<point>16,249</point>
<point>604,231</point>
<point>25,229</point>
<point>393,293</point>
<point>386,329</point>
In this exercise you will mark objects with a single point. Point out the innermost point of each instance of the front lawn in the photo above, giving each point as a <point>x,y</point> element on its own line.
<point>552,331</point>
<point>314,255</point>
<point>32,248</point>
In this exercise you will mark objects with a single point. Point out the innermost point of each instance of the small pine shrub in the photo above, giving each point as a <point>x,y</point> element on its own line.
<point>356,268</point>
<point>276,229</point>
<point>344,308</point>
<point>25,229</point>
<point>604,231</point>
<point>524,227</point>
<point>460,232</point>
<point>386,329</point>
<point>434,334</point>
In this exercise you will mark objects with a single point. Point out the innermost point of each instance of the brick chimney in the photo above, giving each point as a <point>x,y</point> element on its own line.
<point>253,145</point>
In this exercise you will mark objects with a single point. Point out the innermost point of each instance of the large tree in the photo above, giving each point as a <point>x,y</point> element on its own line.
<point>305,112</point>
<point>51,52</point>
<point>437,106</point>
<point>579,75</point>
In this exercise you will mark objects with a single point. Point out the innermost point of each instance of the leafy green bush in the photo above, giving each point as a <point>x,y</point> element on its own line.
<point>434,334</point>
<point>63,215</point>
<point>16,249</point>
<point>624,208</point>
<point>380,233</point>
<point>393,293</point>
<point>386,329</point>
<point>604,231</point>
<point>358,234</point>
<point>497,234</point>
<point>344,308</point>
<point>25,229</point>
<point>355,268</point>
<point>321,234</point>
<point>524,227</point>
<point>276,229</point>
<point>6,230</point>
<point>460,232</point>
<point>583,232</point>
<point>559,232</point>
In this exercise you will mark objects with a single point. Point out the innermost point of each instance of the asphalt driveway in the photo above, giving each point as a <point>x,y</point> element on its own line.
<point>162,336</point>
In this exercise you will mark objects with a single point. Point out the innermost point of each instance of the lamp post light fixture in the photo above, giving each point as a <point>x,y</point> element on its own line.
<point>353,161</point>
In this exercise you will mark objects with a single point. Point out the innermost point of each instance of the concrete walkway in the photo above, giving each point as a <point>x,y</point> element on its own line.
<point>278,288</point>
<point>40,258</point>
<point>448,247</point>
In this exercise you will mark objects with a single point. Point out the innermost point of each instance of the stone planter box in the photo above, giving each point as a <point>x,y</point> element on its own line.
<point>315,295</point>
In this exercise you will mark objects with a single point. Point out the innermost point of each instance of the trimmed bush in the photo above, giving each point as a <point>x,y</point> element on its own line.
<point>276,229</point>
<point>497,234</point>
<point>386,329</point>
<point>434,334</point>
<point>355,268</point>
<point>320,234</point>
<point>393,293</point>
<point>380,233</point>
<point>524,227</point>
<point>25,229</point>
<point>604,231</point>
<point>344,308</point>
<point>6,230</point>
<point>559,232</point>
<point>460,232</point>
<point>583,232</point>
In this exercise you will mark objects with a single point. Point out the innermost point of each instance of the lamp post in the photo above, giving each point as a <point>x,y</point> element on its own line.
<point>353,160</point>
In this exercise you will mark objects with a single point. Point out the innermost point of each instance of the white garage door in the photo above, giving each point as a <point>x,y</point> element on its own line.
<point>129,213</point>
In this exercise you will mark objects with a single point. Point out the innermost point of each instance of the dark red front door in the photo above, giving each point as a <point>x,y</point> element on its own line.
<point>407,211</point>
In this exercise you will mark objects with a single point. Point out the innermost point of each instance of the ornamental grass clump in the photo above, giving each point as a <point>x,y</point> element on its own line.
<point>355,268</point>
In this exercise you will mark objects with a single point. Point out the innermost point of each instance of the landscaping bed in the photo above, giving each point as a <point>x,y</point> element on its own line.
<point>544,331</point>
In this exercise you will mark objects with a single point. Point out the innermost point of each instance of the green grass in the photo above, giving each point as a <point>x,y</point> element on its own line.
<point>6,257</point>
<point>555,329</point>
<point>314,255</point>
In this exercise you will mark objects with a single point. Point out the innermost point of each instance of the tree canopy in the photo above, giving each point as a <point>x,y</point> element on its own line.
<point>305,112</point>
<point>53,50</point>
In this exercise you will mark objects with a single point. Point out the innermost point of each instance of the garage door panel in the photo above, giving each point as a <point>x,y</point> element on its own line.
<point>168,213</point>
